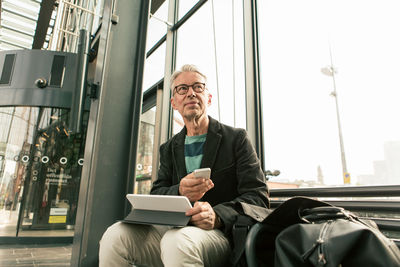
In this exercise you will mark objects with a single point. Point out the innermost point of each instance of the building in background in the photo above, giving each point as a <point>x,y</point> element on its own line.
<point>386,171</point>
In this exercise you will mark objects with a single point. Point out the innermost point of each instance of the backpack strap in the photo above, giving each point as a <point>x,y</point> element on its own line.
<point>239,235</point>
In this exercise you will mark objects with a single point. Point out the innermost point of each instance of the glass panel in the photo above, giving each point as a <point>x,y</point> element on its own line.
<point>328,67</point>
<point>221,60</point>
<point>145,152</point>
<point>40,171</point>
<point>154,68</point>
<point>156,27</point>
<point>185,6</point>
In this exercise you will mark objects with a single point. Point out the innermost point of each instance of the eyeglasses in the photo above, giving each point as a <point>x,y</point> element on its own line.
<point>182,89</point>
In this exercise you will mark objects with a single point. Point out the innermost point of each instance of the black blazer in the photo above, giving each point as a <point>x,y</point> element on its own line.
<point>235,171</point>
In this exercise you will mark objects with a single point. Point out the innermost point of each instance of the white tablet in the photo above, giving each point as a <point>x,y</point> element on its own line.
<point>159,202</point>
<point>158,209</point>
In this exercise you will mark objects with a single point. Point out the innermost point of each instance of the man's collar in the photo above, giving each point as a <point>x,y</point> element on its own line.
<point>213,127</point>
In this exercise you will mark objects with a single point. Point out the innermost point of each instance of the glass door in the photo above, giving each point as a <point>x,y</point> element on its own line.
<point>41,158</point>
<point>40,170</point>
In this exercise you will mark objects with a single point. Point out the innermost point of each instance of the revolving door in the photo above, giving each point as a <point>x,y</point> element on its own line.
<point>41,158</point>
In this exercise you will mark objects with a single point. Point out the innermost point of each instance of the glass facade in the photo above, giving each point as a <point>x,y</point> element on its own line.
<point>328,108</point>
<point>330,92</point>
<point>40,170</point>
<point>215,44</point>
<point>327,89</point>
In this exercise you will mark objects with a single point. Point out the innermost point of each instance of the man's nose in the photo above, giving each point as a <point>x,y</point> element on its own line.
<point>191,91</point>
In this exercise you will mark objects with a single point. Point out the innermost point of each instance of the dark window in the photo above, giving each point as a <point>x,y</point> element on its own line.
<point>57,71</point>
<point>7,69</point>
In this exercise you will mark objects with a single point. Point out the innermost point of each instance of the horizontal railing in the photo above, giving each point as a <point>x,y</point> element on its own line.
<point>343,191</point>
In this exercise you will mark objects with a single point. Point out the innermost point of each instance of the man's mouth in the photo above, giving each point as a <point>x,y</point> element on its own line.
<point>191,103</point>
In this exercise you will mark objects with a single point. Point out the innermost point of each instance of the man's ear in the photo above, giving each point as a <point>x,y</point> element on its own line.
<point>209,99</point>
<point>173,103</point>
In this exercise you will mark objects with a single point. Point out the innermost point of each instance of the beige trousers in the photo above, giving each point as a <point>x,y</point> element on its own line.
<point>146,245</point>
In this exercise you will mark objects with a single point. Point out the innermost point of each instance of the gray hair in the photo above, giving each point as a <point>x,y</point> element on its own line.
<point>185,68</point>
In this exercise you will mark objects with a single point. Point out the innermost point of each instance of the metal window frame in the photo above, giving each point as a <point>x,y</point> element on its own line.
<point>150,96</point>
<point>254,119</point>
<point>178,24</point>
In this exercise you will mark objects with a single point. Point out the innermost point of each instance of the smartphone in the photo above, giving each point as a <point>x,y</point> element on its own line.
<point>202,173</point>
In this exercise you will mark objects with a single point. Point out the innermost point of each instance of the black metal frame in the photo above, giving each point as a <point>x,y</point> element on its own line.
<point>254,104</point>
<point>46,9</point>
<point>150,96</point>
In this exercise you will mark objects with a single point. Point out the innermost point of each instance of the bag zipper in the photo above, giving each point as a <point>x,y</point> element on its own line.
<point>319,244</point>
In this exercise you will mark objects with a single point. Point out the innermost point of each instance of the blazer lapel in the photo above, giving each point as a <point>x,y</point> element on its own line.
<point>211,145</point>
<point>178,154</point>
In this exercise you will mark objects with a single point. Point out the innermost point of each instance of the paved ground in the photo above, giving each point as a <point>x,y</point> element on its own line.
<point>35,255</point>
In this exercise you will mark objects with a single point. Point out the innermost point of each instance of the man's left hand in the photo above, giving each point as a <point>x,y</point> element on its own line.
<point>203,216</point>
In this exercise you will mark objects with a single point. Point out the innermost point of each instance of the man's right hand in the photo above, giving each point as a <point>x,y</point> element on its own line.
<point>194,188</point>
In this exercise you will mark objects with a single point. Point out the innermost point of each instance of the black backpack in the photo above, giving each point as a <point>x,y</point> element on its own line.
<point>307,232</point>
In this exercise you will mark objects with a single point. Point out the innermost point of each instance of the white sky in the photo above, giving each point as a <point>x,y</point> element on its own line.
<point>295,37</point>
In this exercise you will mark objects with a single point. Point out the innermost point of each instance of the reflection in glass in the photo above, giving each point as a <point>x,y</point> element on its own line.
<point>39,169</point>
<point>145,152</point>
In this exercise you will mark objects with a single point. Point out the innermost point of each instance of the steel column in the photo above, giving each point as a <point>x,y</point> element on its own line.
<point>110,152</point>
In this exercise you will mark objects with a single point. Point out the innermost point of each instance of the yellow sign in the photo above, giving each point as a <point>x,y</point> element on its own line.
<point>346,178</point>
<point>57,219</point>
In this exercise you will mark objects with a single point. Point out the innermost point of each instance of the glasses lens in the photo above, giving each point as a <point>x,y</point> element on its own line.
<point>198,87</point>
<point>182,89</point>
